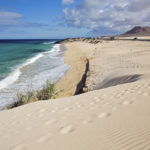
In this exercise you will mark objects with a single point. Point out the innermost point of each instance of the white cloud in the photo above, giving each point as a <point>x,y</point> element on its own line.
<point>119,15</point>
<point>67,1</point>
<point>139,5</point>
<point>12,19</point>
<point>7,18</point>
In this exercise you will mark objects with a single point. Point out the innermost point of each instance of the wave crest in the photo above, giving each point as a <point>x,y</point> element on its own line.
<point>12,77</point>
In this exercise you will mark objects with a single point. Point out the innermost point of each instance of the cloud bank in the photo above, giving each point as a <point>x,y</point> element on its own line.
<point>107,15</point>
<point>12,19</point>
<point>9,18</point>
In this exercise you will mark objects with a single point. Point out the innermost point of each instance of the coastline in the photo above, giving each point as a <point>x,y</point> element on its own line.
<point>114,114</point>
<point>76,57</point>
<point>32,74</point>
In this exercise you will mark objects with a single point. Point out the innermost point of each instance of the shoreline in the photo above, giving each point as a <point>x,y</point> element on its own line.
<point>77,59</point>
<point>20,86</point>
<point>97,76</point>
<point>115,111</point>
<point>76,74</point>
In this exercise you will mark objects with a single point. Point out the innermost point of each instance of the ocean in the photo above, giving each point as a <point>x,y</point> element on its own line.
<point>28,64</point>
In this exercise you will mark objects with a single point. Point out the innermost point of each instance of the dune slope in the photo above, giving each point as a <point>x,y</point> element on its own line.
<point>113,117</point>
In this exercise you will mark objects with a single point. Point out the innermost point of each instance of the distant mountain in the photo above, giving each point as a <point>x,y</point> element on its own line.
<point>138,31</point>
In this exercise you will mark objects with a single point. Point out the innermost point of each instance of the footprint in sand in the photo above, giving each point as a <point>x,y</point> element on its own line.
<point>91,108</point>
<point>67,108</point>
<point>28,115</point>
<point>127,102</point>
<point>14,123</point>
<point>140,92</point>
<point>104,115</point>
<point>44,138</point>
<point>86,121</point>
<point>106,104</point>
<point>40,115</point>
<point>146,94</point>
<point>42,110</point>
<point>80,105</point>
<point>122,97</point>
<point>148,87</point>
<point>28,128</point>
<point>17,147</point>
<point>49,122</point>
<point>92,103</point>
<point>97,100</point>
<point>115,108</point>
<point>54,111</point>
<point>67,129</point>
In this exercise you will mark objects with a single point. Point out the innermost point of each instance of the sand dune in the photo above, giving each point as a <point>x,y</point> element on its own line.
<point>113,117</point>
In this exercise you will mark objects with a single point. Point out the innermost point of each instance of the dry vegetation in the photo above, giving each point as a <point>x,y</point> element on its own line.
<point>47,92</point>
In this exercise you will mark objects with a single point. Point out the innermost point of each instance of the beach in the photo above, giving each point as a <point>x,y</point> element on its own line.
<point>26,65</point>
<point>112,114</point>
<point>76,57</point>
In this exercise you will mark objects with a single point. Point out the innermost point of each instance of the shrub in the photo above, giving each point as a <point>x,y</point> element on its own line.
<point>47,92</point>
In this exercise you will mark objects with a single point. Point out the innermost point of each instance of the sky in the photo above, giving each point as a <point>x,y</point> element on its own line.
<point>41,19</point>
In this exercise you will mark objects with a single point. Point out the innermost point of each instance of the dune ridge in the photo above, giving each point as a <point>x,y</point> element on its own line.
<point>115,116</point>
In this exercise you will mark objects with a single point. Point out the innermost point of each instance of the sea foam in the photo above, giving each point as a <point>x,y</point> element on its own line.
<point>48,42</point>
<point>12,77</point>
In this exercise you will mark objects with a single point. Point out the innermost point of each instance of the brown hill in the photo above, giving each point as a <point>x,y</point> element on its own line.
<point>138,31</point>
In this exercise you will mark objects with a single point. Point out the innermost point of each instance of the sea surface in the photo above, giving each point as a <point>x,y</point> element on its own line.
<point>27,65</point>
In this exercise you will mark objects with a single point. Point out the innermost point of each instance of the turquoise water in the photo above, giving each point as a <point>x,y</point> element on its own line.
<point>13,53</point>
<point>28,64</point>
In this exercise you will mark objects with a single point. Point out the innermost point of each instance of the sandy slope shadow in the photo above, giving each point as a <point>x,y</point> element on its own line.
<point>117,81</point>
<point>81,84</point>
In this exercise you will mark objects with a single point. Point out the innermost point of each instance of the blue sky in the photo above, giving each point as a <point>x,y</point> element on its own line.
<point>38,19</point>
<point>70,18</point>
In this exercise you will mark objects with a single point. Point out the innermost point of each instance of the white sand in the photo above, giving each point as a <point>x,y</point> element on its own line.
<point>112,118</point>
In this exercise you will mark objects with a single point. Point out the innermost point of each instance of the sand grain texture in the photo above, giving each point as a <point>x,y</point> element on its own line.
<point>114,117</point>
